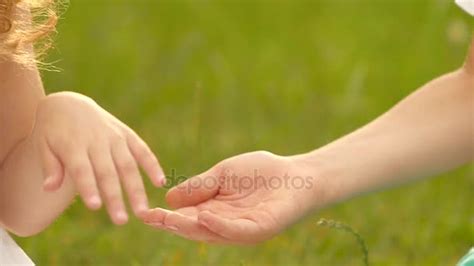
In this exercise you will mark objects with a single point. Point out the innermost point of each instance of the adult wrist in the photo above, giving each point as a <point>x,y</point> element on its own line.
<point>322,173</point>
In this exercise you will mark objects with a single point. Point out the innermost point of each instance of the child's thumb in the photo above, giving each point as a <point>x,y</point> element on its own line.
<point>52,169</point>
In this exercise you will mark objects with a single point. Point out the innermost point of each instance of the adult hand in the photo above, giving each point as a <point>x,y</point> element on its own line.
<point>242,200</point>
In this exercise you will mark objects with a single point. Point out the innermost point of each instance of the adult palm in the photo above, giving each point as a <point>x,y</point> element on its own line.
<point>242,200</point>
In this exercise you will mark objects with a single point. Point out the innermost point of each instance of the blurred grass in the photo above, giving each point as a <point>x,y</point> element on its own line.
<point>205,80</point>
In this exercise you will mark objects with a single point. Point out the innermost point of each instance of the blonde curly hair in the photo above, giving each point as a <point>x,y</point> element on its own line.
<point>24,23</point>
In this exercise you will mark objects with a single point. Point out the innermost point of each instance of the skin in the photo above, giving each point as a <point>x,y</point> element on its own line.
<point>56,145</point>
<point>429,132</point>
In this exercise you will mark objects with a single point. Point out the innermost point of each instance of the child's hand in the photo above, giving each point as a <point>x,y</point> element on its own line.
<point>245,199</point>
<point>80,140</point>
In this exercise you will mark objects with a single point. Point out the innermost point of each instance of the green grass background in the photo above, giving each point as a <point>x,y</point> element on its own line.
<point>205,80</point>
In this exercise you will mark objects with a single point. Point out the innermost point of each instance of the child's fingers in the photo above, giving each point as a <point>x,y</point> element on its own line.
<point>108,182</point>
<point>146,159</point>
<point>78,168</point>
<point>130,176</point>
<point>52,168</point>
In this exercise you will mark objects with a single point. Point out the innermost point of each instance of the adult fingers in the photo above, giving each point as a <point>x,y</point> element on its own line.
<point>183,225</point>
<point>131,179</point>
<point>195,190</point>
<point>239,230</point>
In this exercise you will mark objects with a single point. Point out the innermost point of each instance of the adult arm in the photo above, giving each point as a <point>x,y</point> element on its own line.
<point>252,197</point>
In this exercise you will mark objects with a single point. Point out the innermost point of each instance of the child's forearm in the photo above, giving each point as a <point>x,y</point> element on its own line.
<point>429,132</point>
<point>25,208</point>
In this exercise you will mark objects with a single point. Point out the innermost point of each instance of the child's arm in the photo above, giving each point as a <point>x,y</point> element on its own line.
<point>25,208</point>
<point>44,139</point>
<point>252,197</point>
<point>50,142</point>
<point>47,143</point>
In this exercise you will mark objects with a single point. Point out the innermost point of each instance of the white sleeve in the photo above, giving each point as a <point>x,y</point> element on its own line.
<point>467,5</point>
<point>10,253</point>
